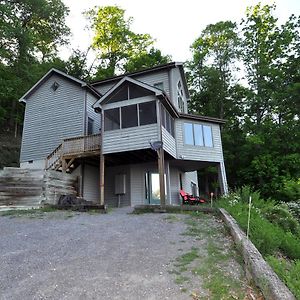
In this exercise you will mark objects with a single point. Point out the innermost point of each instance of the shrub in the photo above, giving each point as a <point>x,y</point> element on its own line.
<point>294,208</point>
<point>283,218</point>
<point>290,246</point>
<point>290,190</point>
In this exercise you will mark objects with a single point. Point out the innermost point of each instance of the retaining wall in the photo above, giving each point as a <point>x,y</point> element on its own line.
<point>31,188</point>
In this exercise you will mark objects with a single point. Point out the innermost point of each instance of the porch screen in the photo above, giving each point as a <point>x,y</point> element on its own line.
<point>111,119</point>
<point>147,113</point>
<point>129,116</point>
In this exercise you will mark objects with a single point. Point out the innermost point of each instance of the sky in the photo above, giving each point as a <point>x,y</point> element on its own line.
<point>173,24</point>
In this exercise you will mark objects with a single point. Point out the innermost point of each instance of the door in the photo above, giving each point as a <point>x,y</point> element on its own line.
<point>154,189</point>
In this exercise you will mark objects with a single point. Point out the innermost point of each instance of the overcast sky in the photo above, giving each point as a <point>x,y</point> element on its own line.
<point>173,24</point>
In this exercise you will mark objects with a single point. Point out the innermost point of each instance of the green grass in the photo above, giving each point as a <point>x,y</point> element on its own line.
<point>26,212</point>
<point>210,267</point>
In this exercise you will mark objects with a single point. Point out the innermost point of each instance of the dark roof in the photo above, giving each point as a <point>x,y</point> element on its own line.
<point>149,70</point>
<point>202,118</point>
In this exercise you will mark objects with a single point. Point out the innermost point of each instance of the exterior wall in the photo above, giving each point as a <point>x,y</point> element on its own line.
<point>175,186</point>
<point>169,143</point>
<point>198,153</point>
<point>187,179</point>
<point>151,79</point>
<point>36,164</point>
<point>155,77</point>
<point>90,100</point>
<point>51,116</point>
<point>91,183</point>
<point>109,190</point>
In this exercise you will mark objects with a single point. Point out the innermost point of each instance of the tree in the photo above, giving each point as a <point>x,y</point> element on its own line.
<point>211,70</point>
<point>114,41</point>
<point>30,32</point>
<point>146,59</point>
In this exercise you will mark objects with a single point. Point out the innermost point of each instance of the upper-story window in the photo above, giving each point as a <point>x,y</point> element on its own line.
<point>159,85</point>
<point>130,116</point>
<point>198,135</point>
<point>180,97</point>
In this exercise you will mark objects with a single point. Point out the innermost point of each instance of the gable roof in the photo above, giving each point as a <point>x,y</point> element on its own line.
<point>145,71</point>
<point>52,71</point>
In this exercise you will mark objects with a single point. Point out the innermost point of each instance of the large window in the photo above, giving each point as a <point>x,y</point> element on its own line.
<point>147,113</point>
<point>90,127</point>
<point>112,119</point>
<point>198,135</point>
<point>129,116</point>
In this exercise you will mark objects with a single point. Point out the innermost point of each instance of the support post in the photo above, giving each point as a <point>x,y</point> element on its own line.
<point>102,167</point>
<point>161,171</point>
<point>64,165</point>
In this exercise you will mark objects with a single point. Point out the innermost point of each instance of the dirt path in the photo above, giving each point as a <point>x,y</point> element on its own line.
<point>65,255</point>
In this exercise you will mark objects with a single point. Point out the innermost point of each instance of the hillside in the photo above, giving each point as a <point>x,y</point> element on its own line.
<point>9,150</point>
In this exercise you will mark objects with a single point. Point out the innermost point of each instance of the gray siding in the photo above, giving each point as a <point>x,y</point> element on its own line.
<point>187,179</point>
<point>90,100</point>
<point>156,77</point>
<point>151,79</point>
<point>91,183</point>
<point>189,152</point>
<point>109,192</point>
<point>169,144</point>
<point>128,139</point>
<point>175,186</point>
<point>50,117</point>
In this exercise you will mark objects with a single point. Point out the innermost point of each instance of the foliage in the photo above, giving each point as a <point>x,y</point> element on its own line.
<point>261,137</point>
<point>288,271</point>
<point>269,236</point>
<point>114,41</point>
<point>294,208</point>
<point>283,218</point>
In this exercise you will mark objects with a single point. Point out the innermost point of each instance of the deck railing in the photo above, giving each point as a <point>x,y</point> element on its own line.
<point>76,146</point>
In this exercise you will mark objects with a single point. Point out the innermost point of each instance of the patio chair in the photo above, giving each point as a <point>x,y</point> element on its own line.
<point>190,199</point>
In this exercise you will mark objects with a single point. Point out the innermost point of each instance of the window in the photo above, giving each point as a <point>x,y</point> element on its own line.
<point>198,135</point>
<point>129,116</point>
<point>207,136</point>
<point>188,134</point>
<point>90,127</point>
<point>147,113</point>
<point>55,86</point>
<point>111,119</point>
<point>180,97</point>
<point>159,85</point>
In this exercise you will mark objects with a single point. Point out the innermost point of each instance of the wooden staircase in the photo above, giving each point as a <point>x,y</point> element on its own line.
<point>63,157</point>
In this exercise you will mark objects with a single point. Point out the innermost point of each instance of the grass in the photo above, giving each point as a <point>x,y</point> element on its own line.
<point>26,212</point>
<point>212,267</point>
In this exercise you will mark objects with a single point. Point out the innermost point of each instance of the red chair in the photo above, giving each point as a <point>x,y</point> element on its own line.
<point>190,199</point>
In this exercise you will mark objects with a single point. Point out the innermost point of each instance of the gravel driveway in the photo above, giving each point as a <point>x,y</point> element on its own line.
<point>66,255</point>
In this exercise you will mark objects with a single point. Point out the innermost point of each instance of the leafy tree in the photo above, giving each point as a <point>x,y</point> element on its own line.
<point>146,59</point>
<point>30,32</point>
<point>114,41</point>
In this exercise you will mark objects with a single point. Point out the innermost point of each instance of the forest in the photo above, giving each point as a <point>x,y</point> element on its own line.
<point>247,73</point>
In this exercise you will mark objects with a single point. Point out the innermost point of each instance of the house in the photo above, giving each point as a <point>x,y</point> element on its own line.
<point>105,133</point>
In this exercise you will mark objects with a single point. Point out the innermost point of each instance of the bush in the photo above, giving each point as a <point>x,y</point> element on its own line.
<point>283,218</point>
<point>290,190</point>
<point>290,246</point>
<point>294,208</point>
<point>288,271</point>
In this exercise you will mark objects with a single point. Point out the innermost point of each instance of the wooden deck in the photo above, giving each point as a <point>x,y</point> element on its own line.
<point>72,148</point>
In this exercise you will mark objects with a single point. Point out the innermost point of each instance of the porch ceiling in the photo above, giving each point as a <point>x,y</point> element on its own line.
<point>132,157</point>
<point>191,165</point>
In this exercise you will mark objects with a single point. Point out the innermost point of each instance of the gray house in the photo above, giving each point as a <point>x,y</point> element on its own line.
<point>103,132</point>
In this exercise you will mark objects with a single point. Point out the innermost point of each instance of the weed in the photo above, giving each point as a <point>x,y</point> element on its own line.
<point>171,218</point>
<point>181,279</point>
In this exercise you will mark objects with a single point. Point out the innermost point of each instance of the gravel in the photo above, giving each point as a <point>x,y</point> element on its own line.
<point>65,255</point>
